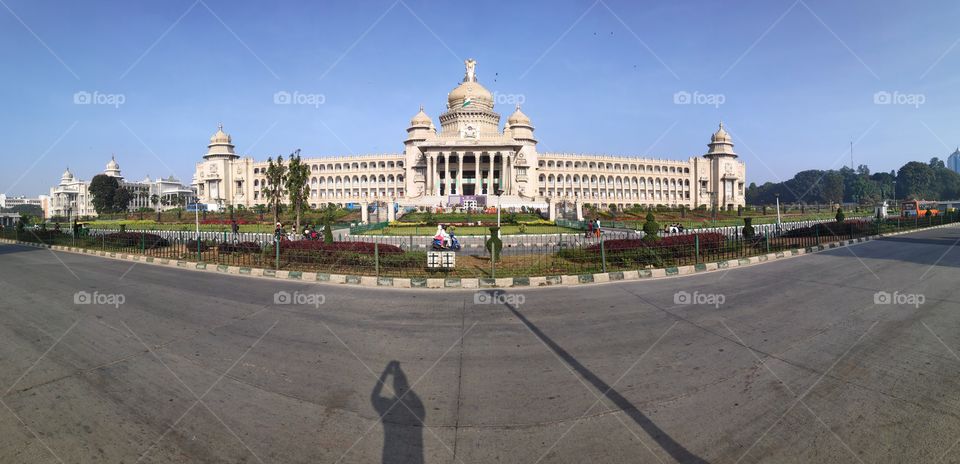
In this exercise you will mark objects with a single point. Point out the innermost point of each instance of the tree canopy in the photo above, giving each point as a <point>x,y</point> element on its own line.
<point>916,180</point>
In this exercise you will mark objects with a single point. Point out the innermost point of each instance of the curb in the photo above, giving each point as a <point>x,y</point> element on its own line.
<point>472,283</point>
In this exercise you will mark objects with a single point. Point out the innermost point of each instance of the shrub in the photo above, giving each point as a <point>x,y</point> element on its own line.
<point>494,244</point>
<point>132,239</point>
<point>840,216</point>
<point>327,234</point>
<point>651,229</point>
<point>242,247</point>
<point>748,231</point>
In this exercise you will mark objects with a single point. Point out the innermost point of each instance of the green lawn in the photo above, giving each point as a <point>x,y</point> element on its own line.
<point>429,231</point>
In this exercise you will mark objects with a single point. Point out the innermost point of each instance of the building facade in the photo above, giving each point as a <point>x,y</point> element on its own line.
<point>471,158</point>
<point>953,161</point>
<point>71,197</point>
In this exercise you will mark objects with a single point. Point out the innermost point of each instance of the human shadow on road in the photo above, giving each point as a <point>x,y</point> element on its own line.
<point>402,414</point>
<point>674,449</point>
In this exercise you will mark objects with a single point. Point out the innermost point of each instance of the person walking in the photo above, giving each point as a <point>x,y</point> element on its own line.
<point>235,229</point>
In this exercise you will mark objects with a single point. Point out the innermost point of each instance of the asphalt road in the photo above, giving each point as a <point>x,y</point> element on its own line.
<point>788,361</point>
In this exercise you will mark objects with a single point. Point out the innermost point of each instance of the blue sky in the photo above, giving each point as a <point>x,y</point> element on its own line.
<point>795,81</point>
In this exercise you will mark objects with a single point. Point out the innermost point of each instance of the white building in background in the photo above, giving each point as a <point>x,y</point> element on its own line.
<point>471,158</point>
<point>953,161</point>
<point>71,197</point>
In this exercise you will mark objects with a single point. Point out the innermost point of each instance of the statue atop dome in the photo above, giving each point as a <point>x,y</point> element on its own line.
<point>471,75</point>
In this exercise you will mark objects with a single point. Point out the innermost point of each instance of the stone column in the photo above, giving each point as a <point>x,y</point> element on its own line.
<point>446,173</point>
<point>391,214</point>
<point>504,174</point>
<point>364,214</point>
<point>459,173</point>
<point>490,190</point>
<point>579,208</point>
<point>551,205</point>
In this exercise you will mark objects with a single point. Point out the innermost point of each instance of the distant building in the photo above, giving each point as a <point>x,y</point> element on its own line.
<point>953,161</point>
<point>71,197</point>
<point>42,201</point>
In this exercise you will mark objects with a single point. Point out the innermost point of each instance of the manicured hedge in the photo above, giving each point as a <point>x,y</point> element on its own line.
<point>191,246</point>
<point>242,247</point>
<point>353,247</point>
<point>133,239</point>
<point>708,241</point>
<point>841,229</point>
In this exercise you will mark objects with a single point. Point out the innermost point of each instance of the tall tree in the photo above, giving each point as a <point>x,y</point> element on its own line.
<point>121,200</point>
<point>276,178</point>
<point>102,188</point>
<point>298,186</point>
<point>914,180</point>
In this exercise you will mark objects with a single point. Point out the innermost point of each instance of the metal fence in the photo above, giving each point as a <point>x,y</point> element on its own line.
<point>534,255</point>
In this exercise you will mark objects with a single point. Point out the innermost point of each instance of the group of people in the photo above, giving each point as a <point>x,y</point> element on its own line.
<point>309,233</point>
<point>443,239</point>
<point>593,228</point>
<point>673,228</point>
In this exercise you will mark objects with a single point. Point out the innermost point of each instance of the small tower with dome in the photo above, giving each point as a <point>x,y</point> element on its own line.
<point>221,146</point>
<point>720,144</point>
<point>520,128</point>
<point>113,169</point>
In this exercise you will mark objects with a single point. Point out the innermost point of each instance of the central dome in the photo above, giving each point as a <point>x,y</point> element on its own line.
<point>470,95</point>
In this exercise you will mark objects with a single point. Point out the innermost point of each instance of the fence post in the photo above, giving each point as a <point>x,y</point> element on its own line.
<point>376,258</point>
<point>143,248</point>
<point>276,247</point>
<point>603,254</point>
<point>816,231</point>
<point>696,246</point>
<point>199,241</point>
<point>493,261</point>
<point>767,239</point>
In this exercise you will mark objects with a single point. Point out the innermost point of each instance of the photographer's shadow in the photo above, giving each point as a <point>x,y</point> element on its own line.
<point>402,414</point>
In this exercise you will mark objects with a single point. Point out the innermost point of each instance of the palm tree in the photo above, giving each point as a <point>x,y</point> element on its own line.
<point>298,177</point>
<point>276,178</point>
<point>142,196</point>
<point>155,199</point>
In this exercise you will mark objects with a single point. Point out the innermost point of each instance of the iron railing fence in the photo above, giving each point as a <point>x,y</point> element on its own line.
<point>520,255</point>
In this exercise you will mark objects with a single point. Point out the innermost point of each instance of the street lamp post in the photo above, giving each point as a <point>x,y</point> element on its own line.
<point>499,232</point>
<point>777,196</point>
